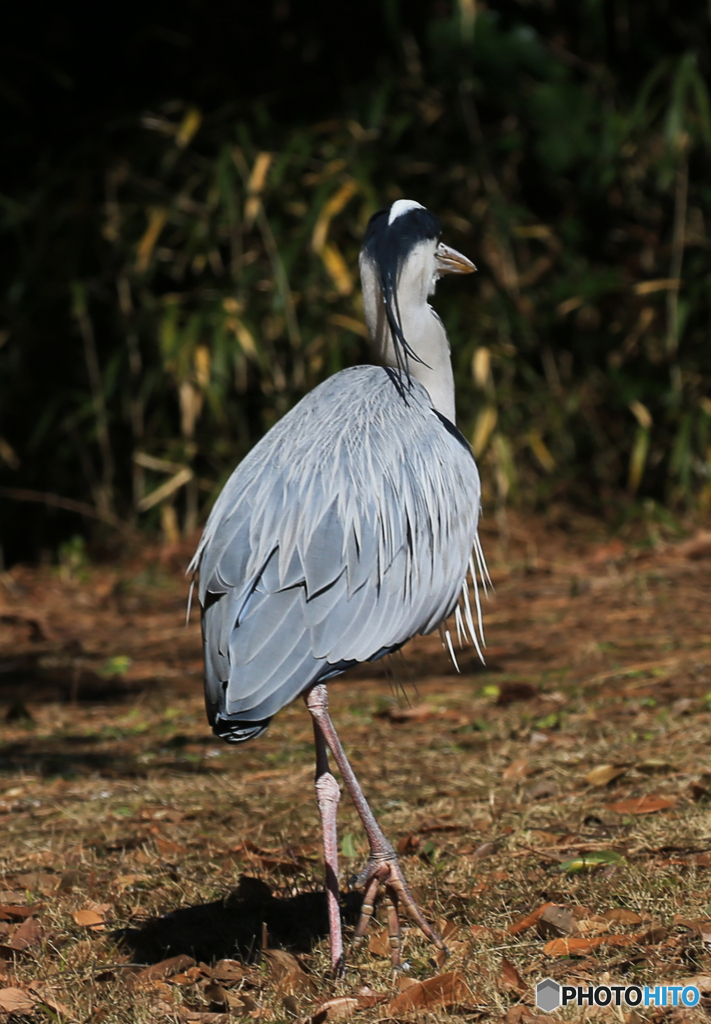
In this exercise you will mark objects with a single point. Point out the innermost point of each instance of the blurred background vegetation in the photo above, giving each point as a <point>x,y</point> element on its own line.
<point>182,203</point>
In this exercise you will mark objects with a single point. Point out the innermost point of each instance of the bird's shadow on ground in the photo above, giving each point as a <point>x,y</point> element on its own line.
<point>235,927</point>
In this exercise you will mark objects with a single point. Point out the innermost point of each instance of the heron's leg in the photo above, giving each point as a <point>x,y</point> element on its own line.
<point>328,793</point>
<point>382,866</point>
<point>394,928</point>
<point>367,908</point>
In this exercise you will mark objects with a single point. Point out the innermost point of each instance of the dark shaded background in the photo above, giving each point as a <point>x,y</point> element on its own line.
<point>566,147</point>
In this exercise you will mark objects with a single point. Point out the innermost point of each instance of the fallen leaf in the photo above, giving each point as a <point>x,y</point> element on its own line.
<point>519,1014</point>
<point>408,844</point>
<point>583,946</point>
<point>416,713</point>
<point>216,996</point>
<point>654,765</point>
<point>701,981</point>
<point>604,774</point>
<point>448,930</point>
<point>587,861</point>
<point>510,976</point>
<point>13,898</point>
<point>609,552</point>
<point>287,972</point>
<point>622,916</point>
<point>290,1004</point>
<point>442,990</point>
<point>556,921</point>
<point>340,1007</point>
<point>700,926</point>
<point>509,693</point>
<point>36,881</point>
<point>227,971</point>
<point>593,926</point>
<point>699,546</point>
<point>485,850</point>
<point>89,919</point>
<point>542,789</point>
<point>516,770</point>
<point>69,879</point>
<point>28,934</point>
<point>160,971</point>
<point>9,912</point>
<point>367,998</point>
<point>379,943</point>
<point>46,997</point>
<point>642,805</point>
<point>166,847</point>
<point>653,936</point>
<point>524,923</point>
<point>14,1000</point>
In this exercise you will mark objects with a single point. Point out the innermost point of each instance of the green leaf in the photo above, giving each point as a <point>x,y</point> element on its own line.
<point>588,861</point>
<point>116,666</point>
<point>348,846</point>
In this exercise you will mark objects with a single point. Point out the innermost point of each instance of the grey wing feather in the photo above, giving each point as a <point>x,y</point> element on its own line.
<point>347,530</point>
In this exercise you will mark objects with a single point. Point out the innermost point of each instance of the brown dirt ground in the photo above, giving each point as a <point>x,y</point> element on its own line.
<point>573,769</point>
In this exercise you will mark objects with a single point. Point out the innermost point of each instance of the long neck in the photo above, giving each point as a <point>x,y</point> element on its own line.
<point>423,330</point>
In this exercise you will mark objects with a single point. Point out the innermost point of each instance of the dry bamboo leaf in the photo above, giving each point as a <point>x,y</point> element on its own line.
<point>604,774</point>
<point>331,209</point>
<point>643,805</point>
<point>14,1000</point>
<point>442,990</point>
<point>337,269</point>
<point>524,923</point>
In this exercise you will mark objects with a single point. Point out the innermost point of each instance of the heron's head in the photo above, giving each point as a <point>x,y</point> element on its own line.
<point>403,254</point>
<point>402,243</point>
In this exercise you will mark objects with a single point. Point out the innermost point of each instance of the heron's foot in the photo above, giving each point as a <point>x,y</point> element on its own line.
<point>384,871</point>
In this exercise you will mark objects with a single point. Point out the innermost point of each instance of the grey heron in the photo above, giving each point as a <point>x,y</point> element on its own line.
<point>347,530</point>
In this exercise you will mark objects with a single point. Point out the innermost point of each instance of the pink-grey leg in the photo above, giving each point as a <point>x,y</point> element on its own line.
<point>382,867</point>
<point>328,793</point>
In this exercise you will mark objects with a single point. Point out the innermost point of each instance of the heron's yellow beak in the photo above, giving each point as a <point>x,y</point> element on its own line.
<point>449,261</point>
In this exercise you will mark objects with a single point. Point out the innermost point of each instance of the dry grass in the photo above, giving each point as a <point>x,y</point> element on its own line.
<point>115,798</point>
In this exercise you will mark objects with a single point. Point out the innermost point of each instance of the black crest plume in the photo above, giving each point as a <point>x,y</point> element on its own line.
<point>388,246</point>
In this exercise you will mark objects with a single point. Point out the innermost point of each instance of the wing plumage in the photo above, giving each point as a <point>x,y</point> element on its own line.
<point>347,530</point>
